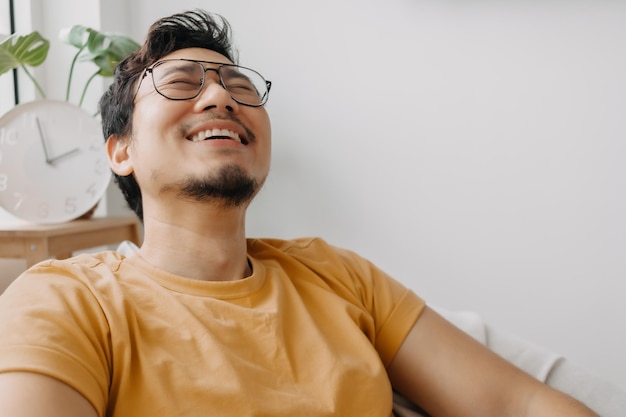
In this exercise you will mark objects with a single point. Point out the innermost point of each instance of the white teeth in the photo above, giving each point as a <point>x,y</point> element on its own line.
<point>222,133</point>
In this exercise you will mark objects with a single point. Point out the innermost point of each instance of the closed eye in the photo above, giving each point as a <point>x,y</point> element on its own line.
<point>241,87</point>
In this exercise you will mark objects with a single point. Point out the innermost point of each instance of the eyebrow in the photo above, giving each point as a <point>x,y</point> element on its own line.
<point>232,71</point>
<point>175,67</point>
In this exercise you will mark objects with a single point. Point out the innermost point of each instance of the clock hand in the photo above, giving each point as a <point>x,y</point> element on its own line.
<point>63,155</point>
<point>43,140</point>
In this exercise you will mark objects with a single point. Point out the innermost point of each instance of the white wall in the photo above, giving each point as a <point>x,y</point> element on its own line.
<point>473,149</point>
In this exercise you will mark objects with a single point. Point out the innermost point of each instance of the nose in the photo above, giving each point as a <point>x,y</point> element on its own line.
<point>214,95</point>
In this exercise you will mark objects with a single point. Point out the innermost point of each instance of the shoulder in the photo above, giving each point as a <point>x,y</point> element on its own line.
<point>309,247</point>
<point>392,306</point>
<point>109,259</point>
<point>315,260</point>
<point>314,252</point>
<point>258,244</point>
<point>68,277</point>
<point>74,295</point>
<point>87,265</point>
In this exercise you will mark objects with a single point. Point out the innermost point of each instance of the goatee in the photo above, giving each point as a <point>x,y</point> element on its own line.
<point>230,187</point>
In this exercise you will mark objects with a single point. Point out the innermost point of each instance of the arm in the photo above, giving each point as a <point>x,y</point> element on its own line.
<point>26,394</point>
<point>448,373</point>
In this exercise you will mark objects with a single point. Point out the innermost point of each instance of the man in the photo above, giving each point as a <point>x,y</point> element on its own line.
<point>202,321</point>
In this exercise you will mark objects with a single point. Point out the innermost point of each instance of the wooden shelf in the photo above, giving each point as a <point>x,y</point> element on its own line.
<point>36,243</point>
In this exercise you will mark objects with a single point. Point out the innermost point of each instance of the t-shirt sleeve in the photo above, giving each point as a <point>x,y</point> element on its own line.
<point>394,307</point>
<point>52,324</point>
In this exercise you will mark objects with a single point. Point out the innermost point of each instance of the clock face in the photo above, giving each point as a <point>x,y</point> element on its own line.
<point>53,163</point>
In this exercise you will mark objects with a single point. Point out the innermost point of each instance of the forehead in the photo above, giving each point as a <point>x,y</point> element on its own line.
<point>199,54</point>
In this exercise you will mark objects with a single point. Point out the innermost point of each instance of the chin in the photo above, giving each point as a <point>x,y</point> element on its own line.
<point>229,187</point>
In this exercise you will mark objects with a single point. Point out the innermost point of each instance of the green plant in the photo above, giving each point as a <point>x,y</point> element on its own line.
<point>22,51</point>
<point>103,49</point>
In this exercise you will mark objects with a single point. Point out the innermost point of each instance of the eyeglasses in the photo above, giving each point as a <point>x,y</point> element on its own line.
<point>183,79</point>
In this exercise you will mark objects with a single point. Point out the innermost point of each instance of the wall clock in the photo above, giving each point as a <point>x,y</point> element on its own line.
<point>53,162</point>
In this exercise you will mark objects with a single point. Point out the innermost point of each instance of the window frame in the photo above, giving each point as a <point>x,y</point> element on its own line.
<point>8,81</point>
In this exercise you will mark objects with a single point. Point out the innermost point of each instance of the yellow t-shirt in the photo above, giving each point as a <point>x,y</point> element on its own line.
<point>308,334</point>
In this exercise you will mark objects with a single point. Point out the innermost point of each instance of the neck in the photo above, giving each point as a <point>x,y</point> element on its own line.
<point>209,245</point>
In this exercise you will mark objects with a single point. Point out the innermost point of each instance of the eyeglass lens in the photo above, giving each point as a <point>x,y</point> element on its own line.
<point>182,80</point>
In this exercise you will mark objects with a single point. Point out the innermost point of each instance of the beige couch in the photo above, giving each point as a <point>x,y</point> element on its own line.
<point>603,397</point>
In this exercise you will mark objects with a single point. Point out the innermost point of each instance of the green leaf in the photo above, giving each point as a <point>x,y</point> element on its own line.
<point>75,36</point>
<point>106,64</point>
<point>16,51</point>
<point>103,49</point>
<point>107,50</point>
<point>97,43</point>
<point>121,46</point>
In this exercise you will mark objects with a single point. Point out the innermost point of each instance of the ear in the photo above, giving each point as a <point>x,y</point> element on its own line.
<point>119,157</point>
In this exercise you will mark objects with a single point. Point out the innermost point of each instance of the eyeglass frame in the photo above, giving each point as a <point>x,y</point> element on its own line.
<point>268,83</point>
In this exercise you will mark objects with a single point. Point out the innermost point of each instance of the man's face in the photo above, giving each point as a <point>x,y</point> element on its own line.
<point>170,156</point>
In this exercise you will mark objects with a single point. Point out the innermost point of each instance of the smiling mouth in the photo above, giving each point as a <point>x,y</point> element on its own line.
<point>217,134</point>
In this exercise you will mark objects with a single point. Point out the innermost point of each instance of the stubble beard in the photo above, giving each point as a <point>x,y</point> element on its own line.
<point>230,187</point>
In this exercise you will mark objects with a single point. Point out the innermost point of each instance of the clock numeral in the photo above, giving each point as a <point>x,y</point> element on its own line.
<point>8,136</point>
<point>43,210</point>
<point>4,182</point>
<point>70,205</point>
<point>91,190</point>
<point>19,199</point>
